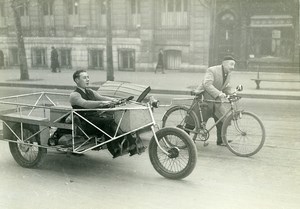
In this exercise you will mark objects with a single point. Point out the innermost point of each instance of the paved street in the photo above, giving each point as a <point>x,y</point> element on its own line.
<point>269,179</point>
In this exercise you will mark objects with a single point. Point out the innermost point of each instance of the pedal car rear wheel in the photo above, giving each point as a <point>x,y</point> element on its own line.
<point>182,153</point>
<point>27,155</point>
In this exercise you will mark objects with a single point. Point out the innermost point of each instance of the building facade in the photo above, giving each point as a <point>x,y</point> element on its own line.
<point>193,33</point>
<point>77,28</point>
<point>261,34</point>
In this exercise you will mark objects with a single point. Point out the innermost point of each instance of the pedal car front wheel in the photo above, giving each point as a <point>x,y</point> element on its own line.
<point>27,155</point>
<point>182,153</point>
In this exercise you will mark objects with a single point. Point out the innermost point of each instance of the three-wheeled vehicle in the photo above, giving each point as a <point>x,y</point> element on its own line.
<point>36,122</point>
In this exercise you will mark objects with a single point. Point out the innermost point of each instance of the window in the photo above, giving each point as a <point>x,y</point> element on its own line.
<point>48,7</point>
<point>272,42</point>
<point>95,58</point>
<point>135,6</point>
<point>38,57</point>
<point>2,9</point>
<point>13,56</point>
<point>272,36</point>
<point>126,59</point>
<point>174,13</point>
<point>101,13</point>
<point>173,59</point>
<point>65,57</point>
<point>135,13</point>
<point>102,6</point>
<point>23,9</point>
<point>73,7</point>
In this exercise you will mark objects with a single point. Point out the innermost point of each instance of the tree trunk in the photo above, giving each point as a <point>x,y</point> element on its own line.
<point>21,47</point>
<point>109,53</point>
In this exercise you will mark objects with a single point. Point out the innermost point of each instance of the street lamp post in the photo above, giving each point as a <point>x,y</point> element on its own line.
<point>299,34</point>
<point>109,53</point>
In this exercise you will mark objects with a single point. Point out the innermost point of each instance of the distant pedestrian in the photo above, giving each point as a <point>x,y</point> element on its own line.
<point>54,60</point>
<point>160,62</point>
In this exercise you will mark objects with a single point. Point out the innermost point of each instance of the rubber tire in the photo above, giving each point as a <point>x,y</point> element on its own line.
<point>190,146</point>
<point>16,153</point>
<point>186,109</point>
<point>229,121</point>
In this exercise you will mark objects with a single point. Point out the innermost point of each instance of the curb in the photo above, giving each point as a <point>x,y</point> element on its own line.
<point>153,91</point>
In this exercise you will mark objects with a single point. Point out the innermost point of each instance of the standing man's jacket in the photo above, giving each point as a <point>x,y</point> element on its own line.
<point>213,85</point>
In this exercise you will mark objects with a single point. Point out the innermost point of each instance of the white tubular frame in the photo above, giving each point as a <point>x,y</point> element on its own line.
<point>23,118</point>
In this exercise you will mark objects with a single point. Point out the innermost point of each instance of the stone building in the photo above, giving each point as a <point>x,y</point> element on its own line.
<point>193,33</point>
<point>261,34</point>
<point>77,28</point>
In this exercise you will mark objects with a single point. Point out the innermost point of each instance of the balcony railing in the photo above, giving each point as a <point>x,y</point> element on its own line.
<point>70,31</point>
<point>167,35</point>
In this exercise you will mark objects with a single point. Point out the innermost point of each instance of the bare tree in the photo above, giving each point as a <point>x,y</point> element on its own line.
<point>15,5</point>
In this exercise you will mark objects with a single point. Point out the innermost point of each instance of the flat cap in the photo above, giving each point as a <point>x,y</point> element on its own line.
<point>228,57</point>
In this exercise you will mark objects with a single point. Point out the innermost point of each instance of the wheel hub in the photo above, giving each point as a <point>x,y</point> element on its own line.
<point>203,134</point>
<point>24,147</point>
<point>173,152</point>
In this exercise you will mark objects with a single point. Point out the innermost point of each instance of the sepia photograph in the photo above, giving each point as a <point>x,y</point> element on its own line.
<point>149,104</point>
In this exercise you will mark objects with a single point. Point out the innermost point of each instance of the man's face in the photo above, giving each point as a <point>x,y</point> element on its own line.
<point>83,80</point>
<point>228,65</point>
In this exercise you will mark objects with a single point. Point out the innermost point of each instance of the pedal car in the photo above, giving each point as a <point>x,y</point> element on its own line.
<point>37,122</point>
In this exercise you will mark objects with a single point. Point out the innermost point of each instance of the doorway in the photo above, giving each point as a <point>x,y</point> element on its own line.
<point>173,59</point>
<point>227,36</point>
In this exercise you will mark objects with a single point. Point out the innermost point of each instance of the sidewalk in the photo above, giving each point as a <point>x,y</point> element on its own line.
<point>173,82</point>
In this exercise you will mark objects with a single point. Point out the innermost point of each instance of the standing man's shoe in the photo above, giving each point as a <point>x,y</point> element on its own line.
<point>222,143</point>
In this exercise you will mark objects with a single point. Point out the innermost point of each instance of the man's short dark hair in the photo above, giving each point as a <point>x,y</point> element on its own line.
<point>76,74</point>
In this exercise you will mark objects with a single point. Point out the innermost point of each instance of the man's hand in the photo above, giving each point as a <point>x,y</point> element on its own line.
<point>222,95</point>
<point>195,92</point>
<point>115,100</point>
<point>107,104</point>
<point>111,104</point>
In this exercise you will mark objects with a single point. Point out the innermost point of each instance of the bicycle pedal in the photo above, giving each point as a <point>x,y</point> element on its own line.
<point>205,144</point>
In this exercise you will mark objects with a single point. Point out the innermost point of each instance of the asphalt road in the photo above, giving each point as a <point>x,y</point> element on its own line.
<point>269,179</point>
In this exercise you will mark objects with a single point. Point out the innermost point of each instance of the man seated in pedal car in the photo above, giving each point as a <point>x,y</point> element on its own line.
<point>86,98</point>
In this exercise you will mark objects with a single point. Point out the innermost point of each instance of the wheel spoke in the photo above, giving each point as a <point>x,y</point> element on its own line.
<point>174,164</point>
<point>27,154</point>
<point>177,117</point>
<point>247,135</point>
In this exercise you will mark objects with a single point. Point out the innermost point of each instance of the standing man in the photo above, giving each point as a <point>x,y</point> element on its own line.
<point>160,62</point>
<point>215,86</point>
<point>54,60</point>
